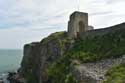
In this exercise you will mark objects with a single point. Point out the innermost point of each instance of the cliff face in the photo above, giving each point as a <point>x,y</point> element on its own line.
<point>38,56</point>
<point>59,59</point>
<point>31,61</point>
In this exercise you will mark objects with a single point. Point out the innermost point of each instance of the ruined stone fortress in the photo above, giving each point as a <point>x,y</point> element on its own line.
<point>78,24</point>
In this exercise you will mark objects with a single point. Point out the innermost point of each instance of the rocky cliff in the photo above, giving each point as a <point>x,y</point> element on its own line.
<point>59,59</point>
<point>39,56</point>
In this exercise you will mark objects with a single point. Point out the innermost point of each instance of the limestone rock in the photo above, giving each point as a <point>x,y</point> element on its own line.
<point>95,72</point>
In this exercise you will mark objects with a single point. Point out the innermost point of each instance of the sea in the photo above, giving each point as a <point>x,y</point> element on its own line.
<point>10,60</point>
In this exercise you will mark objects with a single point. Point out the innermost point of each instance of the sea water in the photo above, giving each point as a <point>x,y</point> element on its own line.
<point>9,61</point>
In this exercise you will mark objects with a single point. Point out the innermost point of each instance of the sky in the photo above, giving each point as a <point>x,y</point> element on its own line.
<point>26,21</point>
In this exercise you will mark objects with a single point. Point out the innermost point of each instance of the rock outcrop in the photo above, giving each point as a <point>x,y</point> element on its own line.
<point>39,56</point>
<point>95,72</point>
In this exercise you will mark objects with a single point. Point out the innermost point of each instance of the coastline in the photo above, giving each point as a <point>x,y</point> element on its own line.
<point>3,77</point>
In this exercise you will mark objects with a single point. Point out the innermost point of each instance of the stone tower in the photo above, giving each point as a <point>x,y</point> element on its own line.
<point>77,24</point>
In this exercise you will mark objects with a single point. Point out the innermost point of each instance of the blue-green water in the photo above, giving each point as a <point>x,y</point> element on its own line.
<point>10,60</point>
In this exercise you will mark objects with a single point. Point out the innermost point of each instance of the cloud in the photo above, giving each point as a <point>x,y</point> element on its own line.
<point>16,37</point>
<point>104,13</point>
<point>24,21</point>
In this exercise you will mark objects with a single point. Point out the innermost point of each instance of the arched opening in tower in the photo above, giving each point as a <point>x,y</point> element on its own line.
<point>81,26</point>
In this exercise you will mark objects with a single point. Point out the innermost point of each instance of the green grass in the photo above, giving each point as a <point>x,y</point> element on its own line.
<point>116,74</point>
<point>100,47</point>
<point>59,71</point>
<point>54,36</point>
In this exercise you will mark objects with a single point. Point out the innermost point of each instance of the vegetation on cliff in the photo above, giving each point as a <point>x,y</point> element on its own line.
<point>116,74</point>
<point>59,70</point>
<point>110,45</point>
